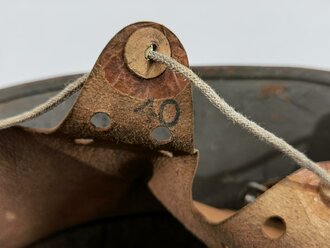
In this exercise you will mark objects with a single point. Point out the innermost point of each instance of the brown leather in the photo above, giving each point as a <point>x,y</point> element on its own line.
<point>49,182</point>
<point>295,200</point>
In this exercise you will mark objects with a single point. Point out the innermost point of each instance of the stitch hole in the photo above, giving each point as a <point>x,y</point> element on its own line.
<point>83,141</point>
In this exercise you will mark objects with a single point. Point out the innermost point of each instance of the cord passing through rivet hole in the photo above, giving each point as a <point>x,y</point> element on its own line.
<point>152,47</point>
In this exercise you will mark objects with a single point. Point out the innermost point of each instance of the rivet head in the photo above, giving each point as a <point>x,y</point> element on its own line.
<point>135,51</point>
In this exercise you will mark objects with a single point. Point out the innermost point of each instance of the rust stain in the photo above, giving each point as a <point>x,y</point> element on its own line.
<point>112,64</point>
<point>270,90</point>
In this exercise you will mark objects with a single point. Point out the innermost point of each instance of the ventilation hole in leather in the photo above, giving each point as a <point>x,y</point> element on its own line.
<point>101,120</point>
<point>274,227</point>
<point>83,141</point>
<point>161,135</point>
